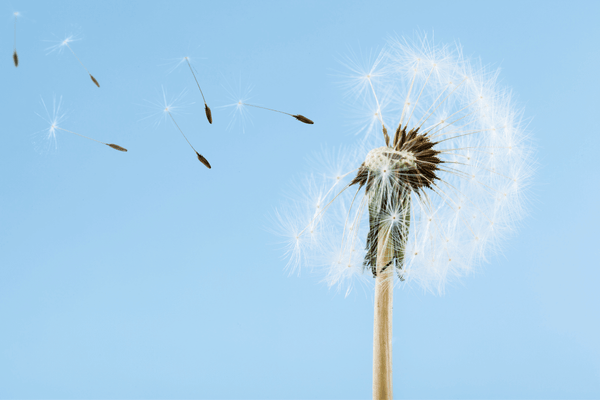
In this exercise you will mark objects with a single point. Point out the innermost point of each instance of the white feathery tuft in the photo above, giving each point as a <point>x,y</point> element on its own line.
<point>478,195</point>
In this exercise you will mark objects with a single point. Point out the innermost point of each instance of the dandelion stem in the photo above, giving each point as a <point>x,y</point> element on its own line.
<point>389,224</point>
<point>382,323</point>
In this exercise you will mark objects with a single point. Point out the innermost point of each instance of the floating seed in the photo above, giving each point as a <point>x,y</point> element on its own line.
<point>299,117</point>
<point>95,81</point>
<point>16,58</point>
<point>66,43</point>
<point>206,108</point>
<point>203,160</point>
<point>208,113</point>
<point>302,118</point>
<point>116,147</point>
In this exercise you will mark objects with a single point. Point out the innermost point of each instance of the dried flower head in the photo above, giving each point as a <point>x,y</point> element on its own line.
<point>437,181</point>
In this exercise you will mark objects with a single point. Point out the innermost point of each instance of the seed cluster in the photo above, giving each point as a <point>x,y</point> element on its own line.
<point>390,174</point>
<point>412,162</point>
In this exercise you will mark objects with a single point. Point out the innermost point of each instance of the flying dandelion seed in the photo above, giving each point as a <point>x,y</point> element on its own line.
<point>240,102</point>
<point>65,43</point>
<point>116,147</point>
<point>166,112</point>
<point>203,160</point>
<point>443,183</point>
<point>206,107</point>
<point>15,56</point>
<point>56,117</point>
<point>193,70</point>
<point>200,157</point>
<point>299,117</point>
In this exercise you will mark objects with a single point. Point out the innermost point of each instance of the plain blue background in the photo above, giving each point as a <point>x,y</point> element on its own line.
<point>146,275</point>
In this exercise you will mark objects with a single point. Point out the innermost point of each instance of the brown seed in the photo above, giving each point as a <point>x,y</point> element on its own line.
<point>16,58</point>
<point>387,137</point>
<point>208,114</point>
<point>116,147</point>
<point>95,81</point>
<point>302,118</point>
<point>203,160</point>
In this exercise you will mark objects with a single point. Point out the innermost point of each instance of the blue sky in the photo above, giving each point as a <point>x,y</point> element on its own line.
<point>145,275</point>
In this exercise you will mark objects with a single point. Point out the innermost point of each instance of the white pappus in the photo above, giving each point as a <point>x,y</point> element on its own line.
<point>439,178</point>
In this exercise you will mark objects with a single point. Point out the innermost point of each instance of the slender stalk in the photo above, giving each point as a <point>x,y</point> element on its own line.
<point>91,76</point>
<point>382,327</point>
<point>15,56</point>
<point>299,117</point>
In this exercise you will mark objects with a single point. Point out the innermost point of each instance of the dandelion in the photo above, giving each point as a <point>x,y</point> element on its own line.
<point>65,43</point>
<point>15,56</point>
<point>167,109</point>
<point>56,117</point>
<point>427,197</point>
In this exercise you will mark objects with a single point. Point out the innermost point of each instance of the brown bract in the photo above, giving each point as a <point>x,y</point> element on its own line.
<point>423,175</point>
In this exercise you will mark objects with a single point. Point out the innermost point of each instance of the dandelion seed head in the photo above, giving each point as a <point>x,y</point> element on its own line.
<point>443,192</point>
